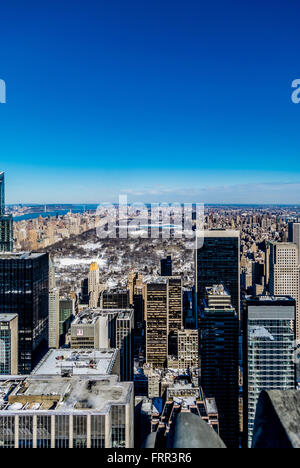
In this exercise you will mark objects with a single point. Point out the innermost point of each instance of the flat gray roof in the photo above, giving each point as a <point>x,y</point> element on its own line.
<point>79,361</point>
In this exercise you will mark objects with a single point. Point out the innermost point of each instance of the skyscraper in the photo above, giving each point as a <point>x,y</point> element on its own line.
<point>268,351</point>
<point>24,290</point>
<point>219,331</point>
<point>218,262</point>
<point>124,342</point>
<point>6,222</point>
<point>166,266</point>
<point>156,324</point>
<point>294,235</point>
<point>284,274</point>
<point>175,312</point>
<point>2,199</point>
<point>8,344</point>
<point>163,314</point>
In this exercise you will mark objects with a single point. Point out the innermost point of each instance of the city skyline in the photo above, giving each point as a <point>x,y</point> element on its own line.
<point>167,103</point>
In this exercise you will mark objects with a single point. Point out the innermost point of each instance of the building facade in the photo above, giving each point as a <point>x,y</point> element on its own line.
<point>284,274</point>
<point>218,262</point>
<point>268,351</point>
<point>8,344</point>
<point>24,279</point>
<point>81,412</point>
<point>219,332</point>
<point>6,221</point>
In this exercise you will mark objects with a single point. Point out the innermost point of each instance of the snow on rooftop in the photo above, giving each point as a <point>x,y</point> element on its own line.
<point>79,361</point>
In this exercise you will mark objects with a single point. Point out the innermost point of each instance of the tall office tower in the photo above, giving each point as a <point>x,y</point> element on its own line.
<point>24,282</point>
<point>188,349</point>
<point>94,277</point>
<point>66,313</point>
<point>83,411</point>
<point>54,318</point>
<point>268,351</point>
<point>134,285</point>
<point>6,222</point>
<point>2,195</point>
<point>166,266</point>
<point>284,274</point>
<point>53,328</point>
<point>156,308</point>
<point>219,332</point>
<point>114,300</point>
<point>218,261</point>
<point>8,344</point>
<point>294,235</point>
<point>124,342</point>
<point>175,312</point>
<point>94,285</point>
<point>163,314</point>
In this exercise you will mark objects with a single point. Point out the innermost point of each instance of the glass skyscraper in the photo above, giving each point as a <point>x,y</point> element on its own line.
<point>24,291</point>
<point>6,222</point>
<point>219,331</point>
<point>218,262</point>
<point>268,351</point>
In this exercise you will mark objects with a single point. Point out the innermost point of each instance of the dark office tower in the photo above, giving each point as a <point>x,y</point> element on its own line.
<point>6,222</point>
<point>175,309</point>
<point>124,342</point>
<point>219,331</point>
<point>24,279</point>
<point>166,266</point>
<point>268,351</point>
<point>218,262</point>
<point>114,300</point>
<point>156,324</point>
<point>138,306</point>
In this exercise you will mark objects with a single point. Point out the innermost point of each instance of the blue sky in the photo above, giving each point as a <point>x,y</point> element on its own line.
<point>162,100</point>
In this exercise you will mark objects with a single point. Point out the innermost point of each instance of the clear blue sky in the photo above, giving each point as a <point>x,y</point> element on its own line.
<point>163,100</point>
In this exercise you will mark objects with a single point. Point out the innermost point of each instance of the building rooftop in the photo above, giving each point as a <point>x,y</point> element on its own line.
<point>269,299</point>
<point>217,290</point>
<point>20,255</point>
<point>7,317</point>
<point>77,362</point>
<point>90,316</point>
<point>52,393</point>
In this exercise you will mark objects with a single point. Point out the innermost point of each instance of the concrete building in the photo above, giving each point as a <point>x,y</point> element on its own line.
<point>100,328</point>
<point>74,412</point>
<point>188,349</point>
<point>54,318</point>
<point>284,274</point>
<point>69,362</point>
<point>268,351</point>
<point>8,344</point>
